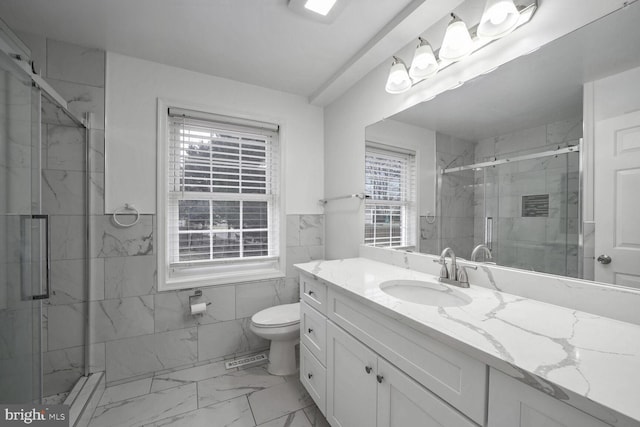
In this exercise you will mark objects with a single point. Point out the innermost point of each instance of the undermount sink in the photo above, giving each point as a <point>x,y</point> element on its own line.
<point>424,292</point>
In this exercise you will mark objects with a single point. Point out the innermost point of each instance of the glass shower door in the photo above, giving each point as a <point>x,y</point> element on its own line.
<point>531,214</point>
<point>23,238</point>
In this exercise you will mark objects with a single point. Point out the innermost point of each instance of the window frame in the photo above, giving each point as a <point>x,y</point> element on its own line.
<point>219,272</point>
<point>410,207</point>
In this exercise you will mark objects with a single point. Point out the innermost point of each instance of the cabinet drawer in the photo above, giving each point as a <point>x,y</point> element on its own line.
<point>455,377</point>
<point>314,377</point>
<point>514,404</point>
<point>313,293</point>
<point>313,331</point>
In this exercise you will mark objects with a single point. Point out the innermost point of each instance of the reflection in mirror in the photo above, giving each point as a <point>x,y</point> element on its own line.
<point>509,157</point>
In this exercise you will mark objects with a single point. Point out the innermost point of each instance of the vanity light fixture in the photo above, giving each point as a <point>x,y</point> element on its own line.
<point>457,42</point>
<point>424,62</point>
<point>500,17</point>
<point>398,80</point>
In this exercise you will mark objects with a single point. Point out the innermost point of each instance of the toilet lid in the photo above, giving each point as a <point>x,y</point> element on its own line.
<point>280,315</point>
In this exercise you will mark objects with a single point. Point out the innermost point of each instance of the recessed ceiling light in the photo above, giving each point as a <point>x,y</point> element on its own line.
<point>324,11</point>
<point>320,6</point>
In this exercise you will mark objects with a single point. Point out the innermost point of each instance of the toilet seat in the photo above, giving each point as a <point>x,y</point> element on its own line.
<point>278,316</point>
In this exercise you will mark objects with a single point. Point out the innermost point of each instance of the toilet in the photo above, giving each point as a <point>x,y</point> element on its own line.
<point>280,325</point>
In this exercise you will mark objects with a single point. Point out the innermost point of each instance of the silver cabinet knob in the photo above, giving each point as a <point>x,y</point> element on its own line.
<point>310,330</point>
<point>368,369</point>
<point>604,259</point>
<point>310,375</point>
<point>379,378</point>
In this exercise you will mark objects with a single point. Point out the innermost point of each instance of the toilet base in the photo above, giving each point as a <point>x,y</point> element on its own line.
<point>282,358</point>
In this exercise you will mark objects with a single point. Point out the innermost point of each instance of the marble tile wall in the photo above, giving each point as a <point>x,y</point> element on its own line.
<point>455,226</point>
<point>144,331</point>
<point>135,330</point>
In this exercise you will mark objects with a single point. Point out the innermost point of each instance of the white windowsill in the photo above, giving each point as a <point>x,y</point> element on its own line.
<point>213,279</point>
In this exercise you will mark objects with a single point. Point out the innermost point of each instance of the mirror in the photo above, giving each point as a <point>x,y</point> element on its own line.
<point>510,143</point>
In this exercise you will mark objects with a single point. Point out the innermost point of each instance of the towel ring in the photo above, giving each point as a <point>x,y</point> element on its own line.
<point>430,217</point>
<point>127,207</point>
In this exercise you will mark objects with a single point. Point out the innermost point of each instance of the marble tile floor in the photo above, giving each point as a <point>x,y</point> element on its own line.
<point>211,396</point>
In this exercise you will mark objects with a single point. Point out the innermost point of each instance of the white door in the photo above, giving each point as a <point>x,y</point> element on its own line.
<point>617,200</point>
<point>404,403</point>
<point>351,380</point>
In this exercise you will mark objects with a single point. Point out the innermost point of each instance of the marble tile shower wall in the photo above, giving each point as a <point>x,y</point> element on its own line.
<point>548,244</point>
<point>136,331</point>
<point>454,226</point>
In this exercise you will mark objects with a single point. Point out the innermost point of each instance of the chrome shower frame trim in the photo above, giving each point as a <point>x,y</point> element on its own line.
<point>496,162</point>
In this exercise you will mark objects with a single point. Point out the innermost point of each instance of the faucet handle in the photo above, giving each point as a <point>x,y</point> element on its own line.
<point>463,278</point>
<point>444,271</point>
<point>439,261</point>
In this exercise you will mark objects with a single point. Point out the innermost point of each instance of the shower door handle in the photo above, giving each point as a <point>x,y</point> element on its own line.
<point>488,232</point>
<point>44,264</point>
<point>47,259</point>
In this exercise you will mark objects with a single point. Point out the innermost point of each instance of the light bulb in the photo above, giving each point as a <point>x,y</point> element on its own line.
<point>398,80</point>
<point>424,62</point>
<point>499,18</point>
<point>457,41</point>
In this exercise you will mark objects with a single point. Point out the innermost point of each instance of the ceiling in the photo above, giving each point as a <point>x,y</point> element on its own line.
<point>261,42</point>
<point>542,87</point>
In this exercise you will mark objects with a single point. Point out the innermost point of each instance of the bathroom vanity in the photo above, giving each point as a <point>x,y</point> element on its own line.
<point>372,359</point>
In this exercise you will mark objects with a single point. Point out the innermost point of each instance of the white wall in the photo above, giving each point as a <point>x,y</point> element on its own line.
<point>366,103</point>
<point>133,87</point>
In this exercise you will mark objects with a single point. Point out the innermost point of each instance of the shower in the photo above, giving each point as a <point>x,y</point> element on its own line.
<point>44,238</point>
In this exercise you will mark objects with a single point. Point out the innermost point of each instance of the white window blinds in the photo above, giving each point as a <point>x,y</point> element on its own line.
<point>222,190</point>
<point>390,209</point>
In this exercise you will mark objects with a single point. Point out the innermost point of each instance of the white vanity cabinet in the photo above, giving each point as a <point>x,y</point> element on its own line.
<point>363,389</point>
<point>363,368</point>
<point>313,352</point>
<point>514,404</point>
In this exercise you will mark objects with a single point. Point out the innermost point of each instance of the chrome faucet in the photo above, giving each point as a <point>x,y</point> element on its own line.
<point>444,273</point>
<point>456,276</point>
<point>478,249</point>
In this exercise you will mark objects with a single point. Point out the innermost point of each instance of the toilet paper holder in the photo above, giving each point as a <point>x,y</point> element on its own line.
<point>196,294</point>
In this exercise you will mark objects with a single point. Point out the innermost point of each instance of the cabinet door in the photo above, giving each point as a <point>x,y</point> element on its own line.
<point>351,381</point>
<point>402,402</point>
<point>514,404</point>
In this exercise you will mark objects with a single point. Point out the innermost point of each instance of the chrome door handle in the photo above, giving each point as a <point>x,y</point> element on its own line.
<point>604,259</point>
<point>45,259</point>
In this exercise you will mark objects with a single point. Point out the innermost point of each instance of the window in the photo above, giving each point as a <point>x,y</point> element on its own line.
<point>222,208</point>
<point>390,213</point>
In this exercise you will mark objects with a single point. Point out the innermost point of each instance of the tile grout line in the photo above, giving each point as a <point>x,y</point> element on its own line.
<point>255,422</point>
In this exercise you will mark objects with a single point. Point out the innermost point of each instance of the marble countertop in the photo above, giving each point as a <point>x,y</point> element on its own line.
<point>575,356</point>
